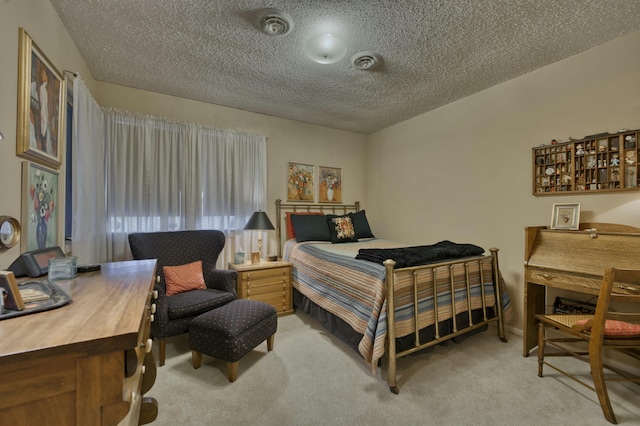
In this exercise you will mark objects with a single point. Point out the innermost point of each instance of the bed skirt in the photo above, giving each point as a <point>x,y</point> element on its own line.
<point>351,338</point>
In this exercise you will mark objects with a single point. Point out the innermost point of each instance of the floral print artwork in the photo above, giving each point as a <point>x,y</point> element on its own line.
<point>300,182</point>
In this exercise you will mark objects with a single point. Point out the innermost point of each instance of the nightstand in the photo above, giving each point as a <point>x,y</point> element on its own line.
<point>268,282</point>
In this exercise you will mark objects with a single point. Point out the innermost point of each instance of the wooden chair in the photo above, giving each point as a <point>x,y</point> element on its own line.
<point>605,329</point>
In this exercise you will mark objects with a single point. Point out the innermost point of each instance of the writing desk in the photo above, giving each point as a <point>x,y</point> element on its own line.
<point>83,363</point>
<point>574,261</point>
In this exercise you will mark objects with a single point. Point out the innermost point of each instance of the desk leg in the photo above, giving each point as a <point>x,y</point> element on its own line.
<point>534,300</point>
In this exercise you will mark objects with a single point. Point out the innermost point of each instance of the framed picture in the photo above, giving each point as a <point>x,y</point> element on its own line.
<point>329,185</point>
<point>300,181</point>
<point>41,105</point>
<point>39,207</point>
<point>565,216</point>
<point>10,293</point>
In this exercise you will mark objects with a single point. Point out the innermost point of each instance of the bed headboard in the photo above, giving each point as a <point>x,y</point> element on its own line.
<point>283,208</point>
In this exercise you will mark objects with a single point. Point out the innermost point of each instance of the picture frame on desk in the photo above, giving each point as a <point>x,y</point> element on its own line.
<point>12,299</point>
<point>565,216</point>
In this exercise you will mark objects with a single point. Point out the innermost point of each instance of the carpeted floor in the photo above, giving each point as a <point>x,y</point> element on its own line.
<point>311,378</point>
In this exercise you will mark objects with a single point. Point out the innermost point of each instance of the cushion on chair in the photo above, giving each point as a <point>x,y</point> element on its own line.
<point>184,278</point>
<point>617,329</point>
<point>195,302</point>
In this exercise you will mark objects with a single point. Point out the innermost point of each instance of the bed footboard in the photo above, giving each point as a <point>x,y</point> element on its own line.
<point>432,278</point>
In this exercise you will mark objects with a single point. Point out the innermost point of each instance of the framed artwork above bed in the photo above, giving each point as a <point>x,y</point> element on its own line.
<point>300,182</point>
<point>329,184</point>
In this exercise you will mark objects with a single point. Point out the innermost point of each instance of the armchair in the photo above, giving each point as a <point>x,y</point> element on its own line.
<point>174,313</point>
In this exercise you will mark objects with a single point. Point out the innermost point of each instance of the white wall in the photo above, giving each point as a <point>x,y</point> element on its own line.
<point>41,22</point>
<point>463,172</point>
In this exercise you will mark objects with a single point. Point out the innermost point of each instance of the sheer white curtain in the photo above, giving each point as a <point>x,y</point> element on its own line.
<point>88,231</point>
<point>138,173</point>
<point>164,175</point>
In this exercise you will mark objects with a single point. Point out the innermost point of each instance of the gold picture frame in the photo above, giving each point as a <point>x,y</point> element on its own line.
<point>41,105</point>
<point>40,207</point>
<point>300,182</point>
<point>565,216</point>
<point>329,184</point>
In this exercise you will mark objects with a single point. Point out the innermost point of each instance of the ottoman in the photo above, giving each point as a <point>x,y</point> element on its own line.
<point>232,331</point>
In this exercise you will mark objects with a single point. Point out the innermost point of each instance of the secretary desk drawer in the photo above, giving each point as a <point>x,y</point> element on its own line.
<point>567,281</point>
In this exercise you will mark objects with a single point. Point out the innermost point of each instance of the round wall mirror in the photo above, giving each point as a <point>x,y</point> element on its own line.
<point>9,231</point>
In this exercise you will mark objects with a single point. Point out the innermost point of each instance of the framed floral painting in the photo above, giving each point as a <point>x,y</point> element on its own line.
<point>39,207</point>
<point>565,216</point>
<point>329,184</point>
<point>41,105</point>
<point>300,181</point>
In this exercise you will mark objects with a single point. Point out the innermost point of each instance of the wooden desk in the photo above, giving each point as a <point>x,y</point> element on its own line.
<point>572,260</point>
<point>81,364</point>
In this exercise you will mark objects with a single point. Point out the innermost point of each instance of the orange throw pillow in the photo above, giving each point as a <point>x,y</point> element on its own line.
<point>184,278</point>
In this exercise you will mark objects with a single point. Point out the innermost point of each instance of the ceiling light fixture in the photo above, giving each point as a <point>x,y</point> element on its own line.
<point>275,22</point>
<point>325,49</point>
<point>366,61</point>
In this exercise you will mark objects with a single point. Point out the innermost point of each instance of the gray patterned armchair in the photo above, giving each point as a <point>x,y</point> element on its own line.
<point>175,313</point>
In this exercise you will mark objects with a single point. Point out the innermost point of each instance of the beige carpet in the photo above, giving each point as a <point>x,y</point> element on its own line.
<point>311,378</point>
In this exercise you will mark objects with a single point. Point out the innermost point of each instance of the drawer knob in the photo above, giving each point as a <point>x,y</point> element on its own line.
<point>147,345</point>
<point>629,287</point>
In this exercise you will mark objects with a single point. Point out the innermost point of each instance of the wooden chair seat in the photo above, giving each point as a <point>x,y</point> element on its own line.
<point>605,329</point>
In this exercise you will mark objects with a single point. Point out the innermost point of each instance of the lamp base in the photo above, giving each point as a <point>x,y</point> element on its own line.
<point>255,258</point>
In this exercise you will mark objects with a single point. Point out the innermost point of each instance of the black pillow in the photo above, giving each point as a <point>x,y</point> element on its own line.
<point>341,229</point>
<point>361,224</point>
<point>310,227</point>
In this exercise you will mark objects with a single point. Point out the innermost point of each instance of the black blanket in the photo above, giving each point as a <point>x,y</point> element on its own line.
<point>420,255</point>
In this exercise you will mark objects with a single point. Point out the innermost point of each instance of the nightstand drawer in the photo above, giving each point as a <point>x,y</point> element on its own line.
<point>279,300</point>
<point>262,274</point>
<point>251,289</point>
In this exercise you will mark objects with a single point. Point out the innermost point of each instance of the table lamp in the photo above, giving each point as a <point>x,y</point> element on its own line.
<point>259,221</point>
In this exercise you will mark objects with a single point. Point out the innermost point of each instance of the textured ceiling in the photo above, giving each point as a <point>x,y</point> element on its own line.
<point>435,51</point>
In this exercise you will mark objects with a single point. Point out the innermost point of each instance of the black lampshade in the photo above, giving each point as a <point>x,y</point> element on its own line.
<point>259,221</point>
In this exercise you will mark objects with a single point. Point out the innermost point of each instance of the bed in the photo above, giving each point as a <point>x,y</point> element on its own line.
<point>371,304</point>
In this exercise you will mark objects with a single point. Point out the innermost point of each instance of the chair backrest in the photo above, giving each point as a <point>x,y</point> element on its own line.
<point>618,286</point>
<point>178,248</point>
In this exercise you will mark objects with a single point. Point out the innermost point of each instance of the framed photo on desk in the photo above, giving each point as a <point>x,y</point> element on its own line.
<point>565,216</point>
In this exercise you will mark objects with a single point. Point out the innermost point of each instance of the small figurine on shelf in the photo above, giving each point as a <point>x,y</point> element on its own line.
<point>615,175</point>
<point>629,142</point>
<point>630,157</point>
<point>579,149</point>
<point>615,161</point>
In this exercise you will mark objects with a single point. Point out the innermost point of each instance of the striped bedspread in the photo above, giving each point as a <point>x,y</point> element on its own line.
<point>330,276</point>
